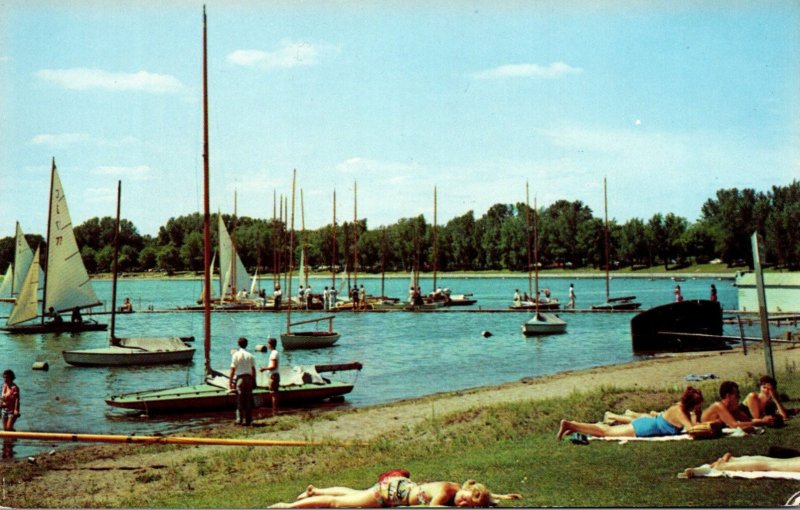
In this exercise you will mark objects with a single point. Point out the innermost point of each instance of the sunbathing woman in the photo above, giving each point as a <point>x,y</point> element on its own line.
<point>398,491</point>
<point>671,422</point>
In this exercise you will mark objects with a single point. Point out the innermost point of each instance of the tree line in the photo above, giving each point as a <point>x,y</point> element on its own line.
<point>569,234</point>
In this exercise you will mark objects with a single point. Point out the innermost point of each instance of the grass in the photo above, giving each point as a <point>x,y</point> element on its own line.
<point>511,448</point>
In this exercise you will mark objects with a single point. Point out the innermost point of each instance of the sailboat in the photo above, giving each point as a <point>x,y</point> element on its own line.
<point>313,339</point>
<point>540,323</point>
<point>130,351</point>
<point>15,274</point>
<point>617,303</point>
<point>444,296</point>
<point>67,286</point>
<point>233,275</point>
<point>298,384</point>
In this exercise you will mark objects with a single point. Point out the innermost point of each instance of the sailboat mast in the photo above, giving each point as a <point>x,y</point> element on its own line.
<point>605,228</point>
<point>16,262</point>
<point>333,255</point>
<point>46,257</point>
<point>355,234</point>
<point>291,257</point>
<point>383,262</point>
<point>234,289</point>
<point>206,207</point>
<point>435,246</point>
<point>536,255</point>
<point>115,262</point>
<point>304,269</point>
<point>274,241</point>
<point>528,232</point>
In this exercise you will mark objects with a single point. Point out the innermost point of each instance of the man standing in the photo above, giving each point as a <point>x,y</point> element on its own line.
<point>274,375</point>
<point>571,303</point>
<point>243,378</point>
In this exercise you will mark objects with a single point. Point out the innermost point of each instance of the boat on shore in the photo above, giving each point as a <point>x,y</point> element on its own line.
<point>689,325</point>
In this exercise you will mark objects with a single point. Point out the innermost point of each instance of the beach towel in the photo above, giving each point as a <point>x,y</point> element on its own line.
<point>700,377</point>
<point>706,471</point>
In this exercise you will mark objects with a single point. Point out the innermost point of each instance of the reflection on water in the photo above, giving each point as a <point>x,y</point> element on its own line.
<point>404,354</point>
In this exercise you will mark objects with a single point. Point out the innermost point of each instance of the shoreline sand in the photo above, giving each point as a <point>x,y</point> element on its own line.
<point>113,468</point>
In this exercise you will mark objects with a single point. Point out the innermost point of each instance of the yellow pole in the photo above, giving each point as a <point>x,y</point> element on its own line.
<point>112,438</point>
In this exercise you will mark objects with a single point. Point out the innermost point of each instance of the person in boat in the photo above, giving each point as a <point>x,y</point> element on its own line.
<point>571,303</point>
<point>517,298</point>
<point>418,297</point>
<point>307,297</point>
<point>243,379</point>
<point>9,405</point>
<point>56,318</point>
<point>333,292</point>
<point>713,297</point>
<point>274,374</point>
<point>277,296</point>
<point>411,292</point>
<point>525,297</point>
<point>362,297</point>
<point>394,491</point>
<point>126,307</point>
<point>766,401</point>
<point>76,316</point>
<point>678,295</point>
<point>679,416</point>
<point>354,297</point>
<point>326,299</point>
<point>730,412</point>
<point>546,296</point>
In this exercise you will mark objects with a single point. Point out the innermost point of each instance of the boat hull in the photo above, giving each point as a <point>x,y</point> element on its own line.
<point>207,397</point>
<point>308,340</point>
<point>544,324</point>
<point>659,328</point>
<point>50,327</point>
<point>120,355</point>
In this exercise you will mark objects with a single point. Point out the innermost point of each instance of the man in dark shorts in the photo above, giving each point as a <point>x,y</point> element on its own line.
<point>274,375</point>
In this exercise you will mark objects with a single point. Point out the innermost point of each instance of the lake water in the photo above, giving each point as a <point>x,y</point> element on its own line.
<point>404,354</point>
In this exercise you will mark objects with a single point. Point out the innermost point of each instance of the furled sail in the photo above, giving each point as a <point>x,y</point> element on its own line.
<point>227,258</point>
<point>67,284</point>
<point>27,304</point>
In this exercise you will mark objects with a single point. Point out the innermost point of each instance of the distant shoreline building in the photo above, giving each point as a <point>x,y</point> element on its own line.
<point>782,291</point>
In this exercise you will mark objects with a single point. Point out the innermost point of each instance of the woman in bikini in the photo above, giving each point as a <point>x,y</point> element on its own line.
<point>671,422</point>
<point>398,491</point>
<point>9,405</point>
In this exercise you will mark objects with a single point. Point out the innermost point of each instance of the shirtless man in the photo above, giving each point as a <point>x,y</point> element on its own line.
<point>728,411</point>
<point>765,402</point>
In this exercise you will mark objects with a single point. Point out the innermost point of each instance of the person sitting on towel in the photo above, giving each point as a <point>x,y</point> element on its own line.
<point>766,401</point>
<point>728,410</point>
<point>673,421</point>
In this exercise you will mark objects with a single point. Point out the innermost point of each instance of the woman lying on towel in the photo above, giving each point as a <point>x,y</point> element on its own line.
<point>682,414</point>
<point>756,463</point>
<point>395,491</point>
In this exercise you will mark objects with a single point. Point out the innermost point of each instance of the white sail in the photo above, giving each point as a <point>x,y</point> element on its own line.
<point>23,256</point>
<point>254,286</point>
<point>27,304</point>
<point>67,283</point>
<point>5,288</point>
<point>211,272</point>
<point>227,258</point>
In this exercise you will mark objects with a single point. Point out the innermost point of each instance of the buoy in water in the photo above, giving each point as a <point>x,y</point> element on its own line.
<point>40,365</point>
<point>261,348</point>
<point>486,334</point>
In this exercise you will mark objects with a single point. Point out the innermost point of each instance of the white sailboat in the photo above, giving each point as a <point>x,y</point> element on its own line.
<point>540,323</point>
<point>67,286</point>
<point>130,351</point>
<point>234,277</point>
<point>15,274</point>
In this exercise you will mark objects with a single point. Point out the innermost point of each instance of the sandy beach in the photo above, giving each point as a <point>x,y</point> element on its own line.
<point>111,469</point>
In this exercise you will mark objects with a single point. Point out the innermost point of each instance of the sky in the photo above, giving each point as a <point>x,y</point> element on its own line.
<point>670,101</point>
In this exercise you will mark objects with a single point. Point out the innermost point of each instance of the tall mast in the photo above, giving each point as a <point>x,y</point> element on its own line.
<point>291,258</point>
<point>435,246</point>
<point>206,207</point>
<point>275,278</point>
<point>536,255</point>
<point>47,252</point>
<point>304,269</point>
<point>605,228</point>
<point>355,234</point>
<point>114,267</point>
<point>333,255</point>
<point>234,288</point>
<point>528,232</point>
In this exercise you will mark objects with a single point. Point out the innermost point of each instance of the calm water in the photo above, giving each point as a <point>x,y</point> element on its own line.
<point>404,354</point>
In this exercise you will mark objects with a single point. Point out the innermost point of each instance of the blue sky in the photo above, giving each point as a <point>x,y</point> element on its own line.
<point>670,101</point>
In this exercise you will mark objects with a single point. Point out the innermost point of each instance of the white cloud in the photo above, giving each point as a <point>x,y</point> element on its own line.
<point>135,173</point>
<point>86,79</point>
<point>61,140</point>
<point>388,169</point>
<point>554,70</point>
<point>289,54</point>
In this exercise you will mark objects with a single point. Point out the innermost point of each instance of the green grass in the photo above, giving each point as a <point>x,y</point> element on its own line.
<point>511,448</point>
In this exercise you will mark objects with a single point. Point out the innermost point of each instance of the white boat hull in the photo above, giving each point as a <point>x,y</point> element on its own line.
<point>148,351</point>
<point>308,340</point>
<point>544,324</point>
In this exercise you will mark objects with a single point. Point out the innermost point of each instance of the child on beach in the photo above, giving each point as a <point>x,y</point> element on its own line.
<point>673,421</point>
<point>9,405</point>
